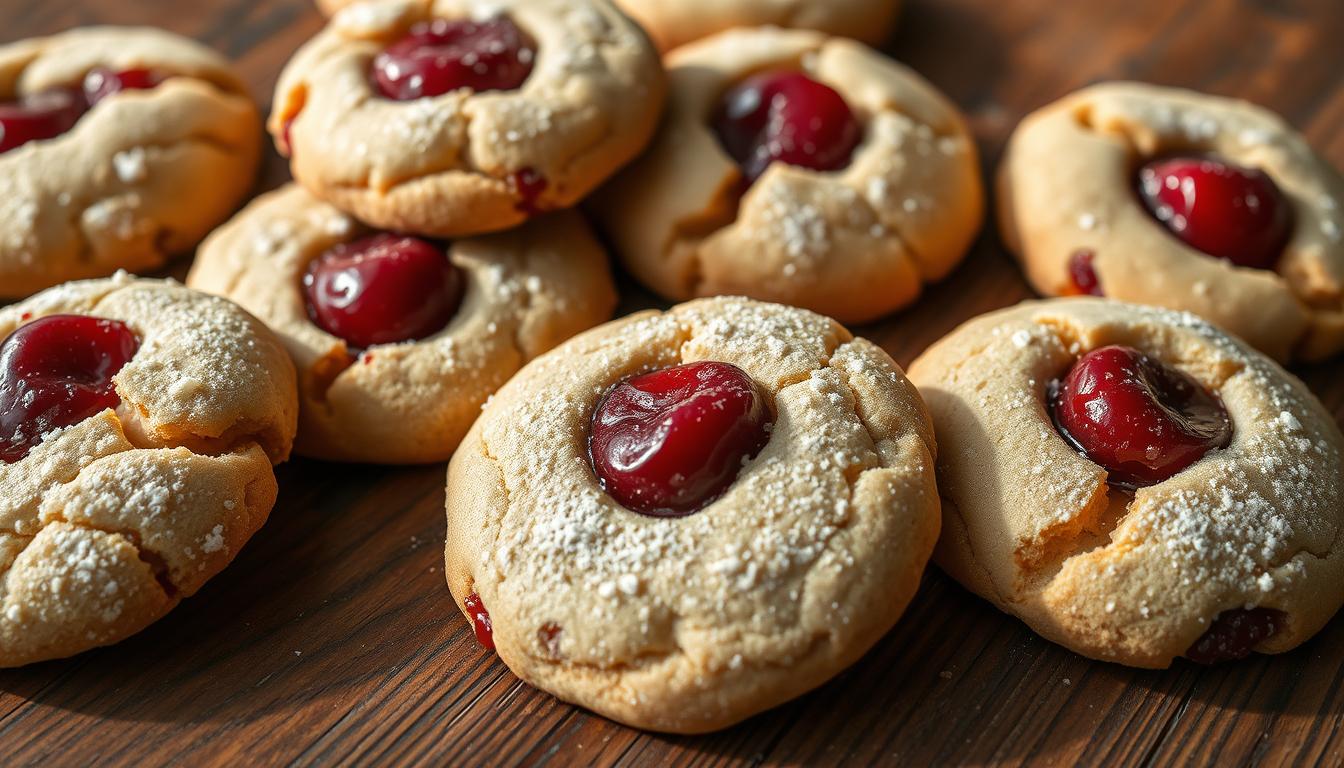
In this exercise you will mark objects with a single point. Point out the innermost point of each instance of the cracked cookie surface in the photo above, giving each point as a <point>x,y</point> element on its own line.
<point>121,189</point>
<point>1066,185</point>
<point>108,523</point>
<point>448,165</point>
<point>527,290</point>
<point>853,244</point>
<point>691,624</point>
<point>1031,525</point>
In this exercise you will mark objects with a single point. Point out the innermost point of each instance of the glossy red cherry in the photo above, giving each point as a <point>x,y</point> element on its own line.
<point>480,621</point>
<point>55,372</point>
<point>102,82</point>
<point>789,117</point>
<point>1083,275</point>
<point>1234,633</point>
<point>1141,419</point>
<point>1224,210</point>
<point>383,289</point>
<point>669,442</point>
<point>41,115</point>
<point>441,55</point>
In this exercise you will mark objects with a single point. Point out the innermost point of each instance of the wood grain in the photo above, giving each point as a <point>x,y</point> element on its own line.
<point>332,638</point>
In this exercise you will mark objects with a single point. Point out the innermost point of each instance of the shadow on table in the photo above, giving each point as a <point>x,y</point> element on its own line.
<point>343,585</point>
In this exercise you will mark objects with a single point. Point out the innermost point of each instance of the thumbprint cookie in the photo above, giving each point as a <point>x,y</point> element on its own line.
<point>1185,201</point>
<point>457,117</point>
<point>105,136</point>
<point>682,518</point>
<point>797,168</point>
<point>399,339</point>
<point>139,422</point>
<point>1133,483</point>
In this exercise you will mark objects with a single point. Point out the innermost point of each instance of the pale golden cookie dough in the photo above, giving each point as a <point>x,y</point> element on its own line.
<point>124,187</point>
<point>691,624</point>
<point>854,244</point>
<point>107,524</point>
<point>673,23</point>
<point>1028,523</point>
<point>527,290</point>
<point>441,166</point>
<point>1067,183</point>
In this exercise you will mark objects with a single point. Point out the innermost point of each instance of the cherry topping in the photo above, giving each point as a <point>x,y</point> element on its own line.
<point>1141,419</point>
<point>1234,633</point>
<point>383,289</point>
<point>1083,275</point>
<point>441,55</point>
<point>789,117</point>
<point>57,371</point>
<point>49,113</point>
<point>40,115</point>
<point>480,621</point>
<point>667,443</point>
<point>1224,210</point>
<point>529,185</point>
<point>102,82</point>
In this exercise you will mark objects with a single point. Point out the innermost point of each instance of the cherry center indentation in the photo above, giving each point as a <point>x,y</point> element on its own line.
<point>1224,210</point>
<point>383,289</point>
<point>786,116</point>
<point>55,372</point>
<point>667,443</point>
<point>444,55</point>
<point>1138,417</point>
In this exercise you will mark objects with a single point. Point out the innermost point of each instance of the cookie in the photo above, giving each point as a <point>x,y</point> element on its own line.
<point>1261,255</point>
<point>1133,483</point>
<point>139,421</point>
<point>682,518</point>
<point>107,133</point>
<point>399,340</point>
<point>797,168</point>
<point>457,117</point>
<point>673,23</point>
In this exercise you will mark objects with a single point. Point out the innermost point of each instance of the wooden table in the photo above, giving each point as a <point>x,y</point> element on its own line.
<point>332,638</point>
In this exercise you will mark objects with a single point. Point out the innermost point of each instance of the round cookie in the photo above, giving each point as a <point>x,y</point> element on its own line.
<point>525,291</point>
<point>121,188</point>
<point>691,623</point>
<point>1067,191</point>
<point>1036,527</point>
<point>468,161</point>
<point>673,23</point>
<point>109,519</point>
<point>854,243</point>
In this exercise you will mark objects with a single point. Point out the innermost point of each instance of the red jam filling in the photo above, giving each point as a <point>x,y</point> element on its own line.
<point>529,186</point>
<point>101,82</point>
<point>383,289</point>
<point>1234,633</point>
<point>480,621</point>
<point>47,114</point>
<point>1141,419</point>
<point>789,117</point>
<point>1224,210</point>
<point>1083,275</point>
<point>41,115</point>
<point>667,443</point>
<point>440,56</point>
<point>55,372</point>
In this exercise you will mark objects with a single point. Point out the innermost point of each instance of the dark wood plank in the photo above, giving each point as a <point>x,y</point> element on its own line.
<point>333,639</point>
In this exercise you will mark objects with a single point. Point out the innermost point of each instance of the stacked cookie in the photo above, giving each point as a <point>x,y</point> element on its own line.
<point>407,123</point>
